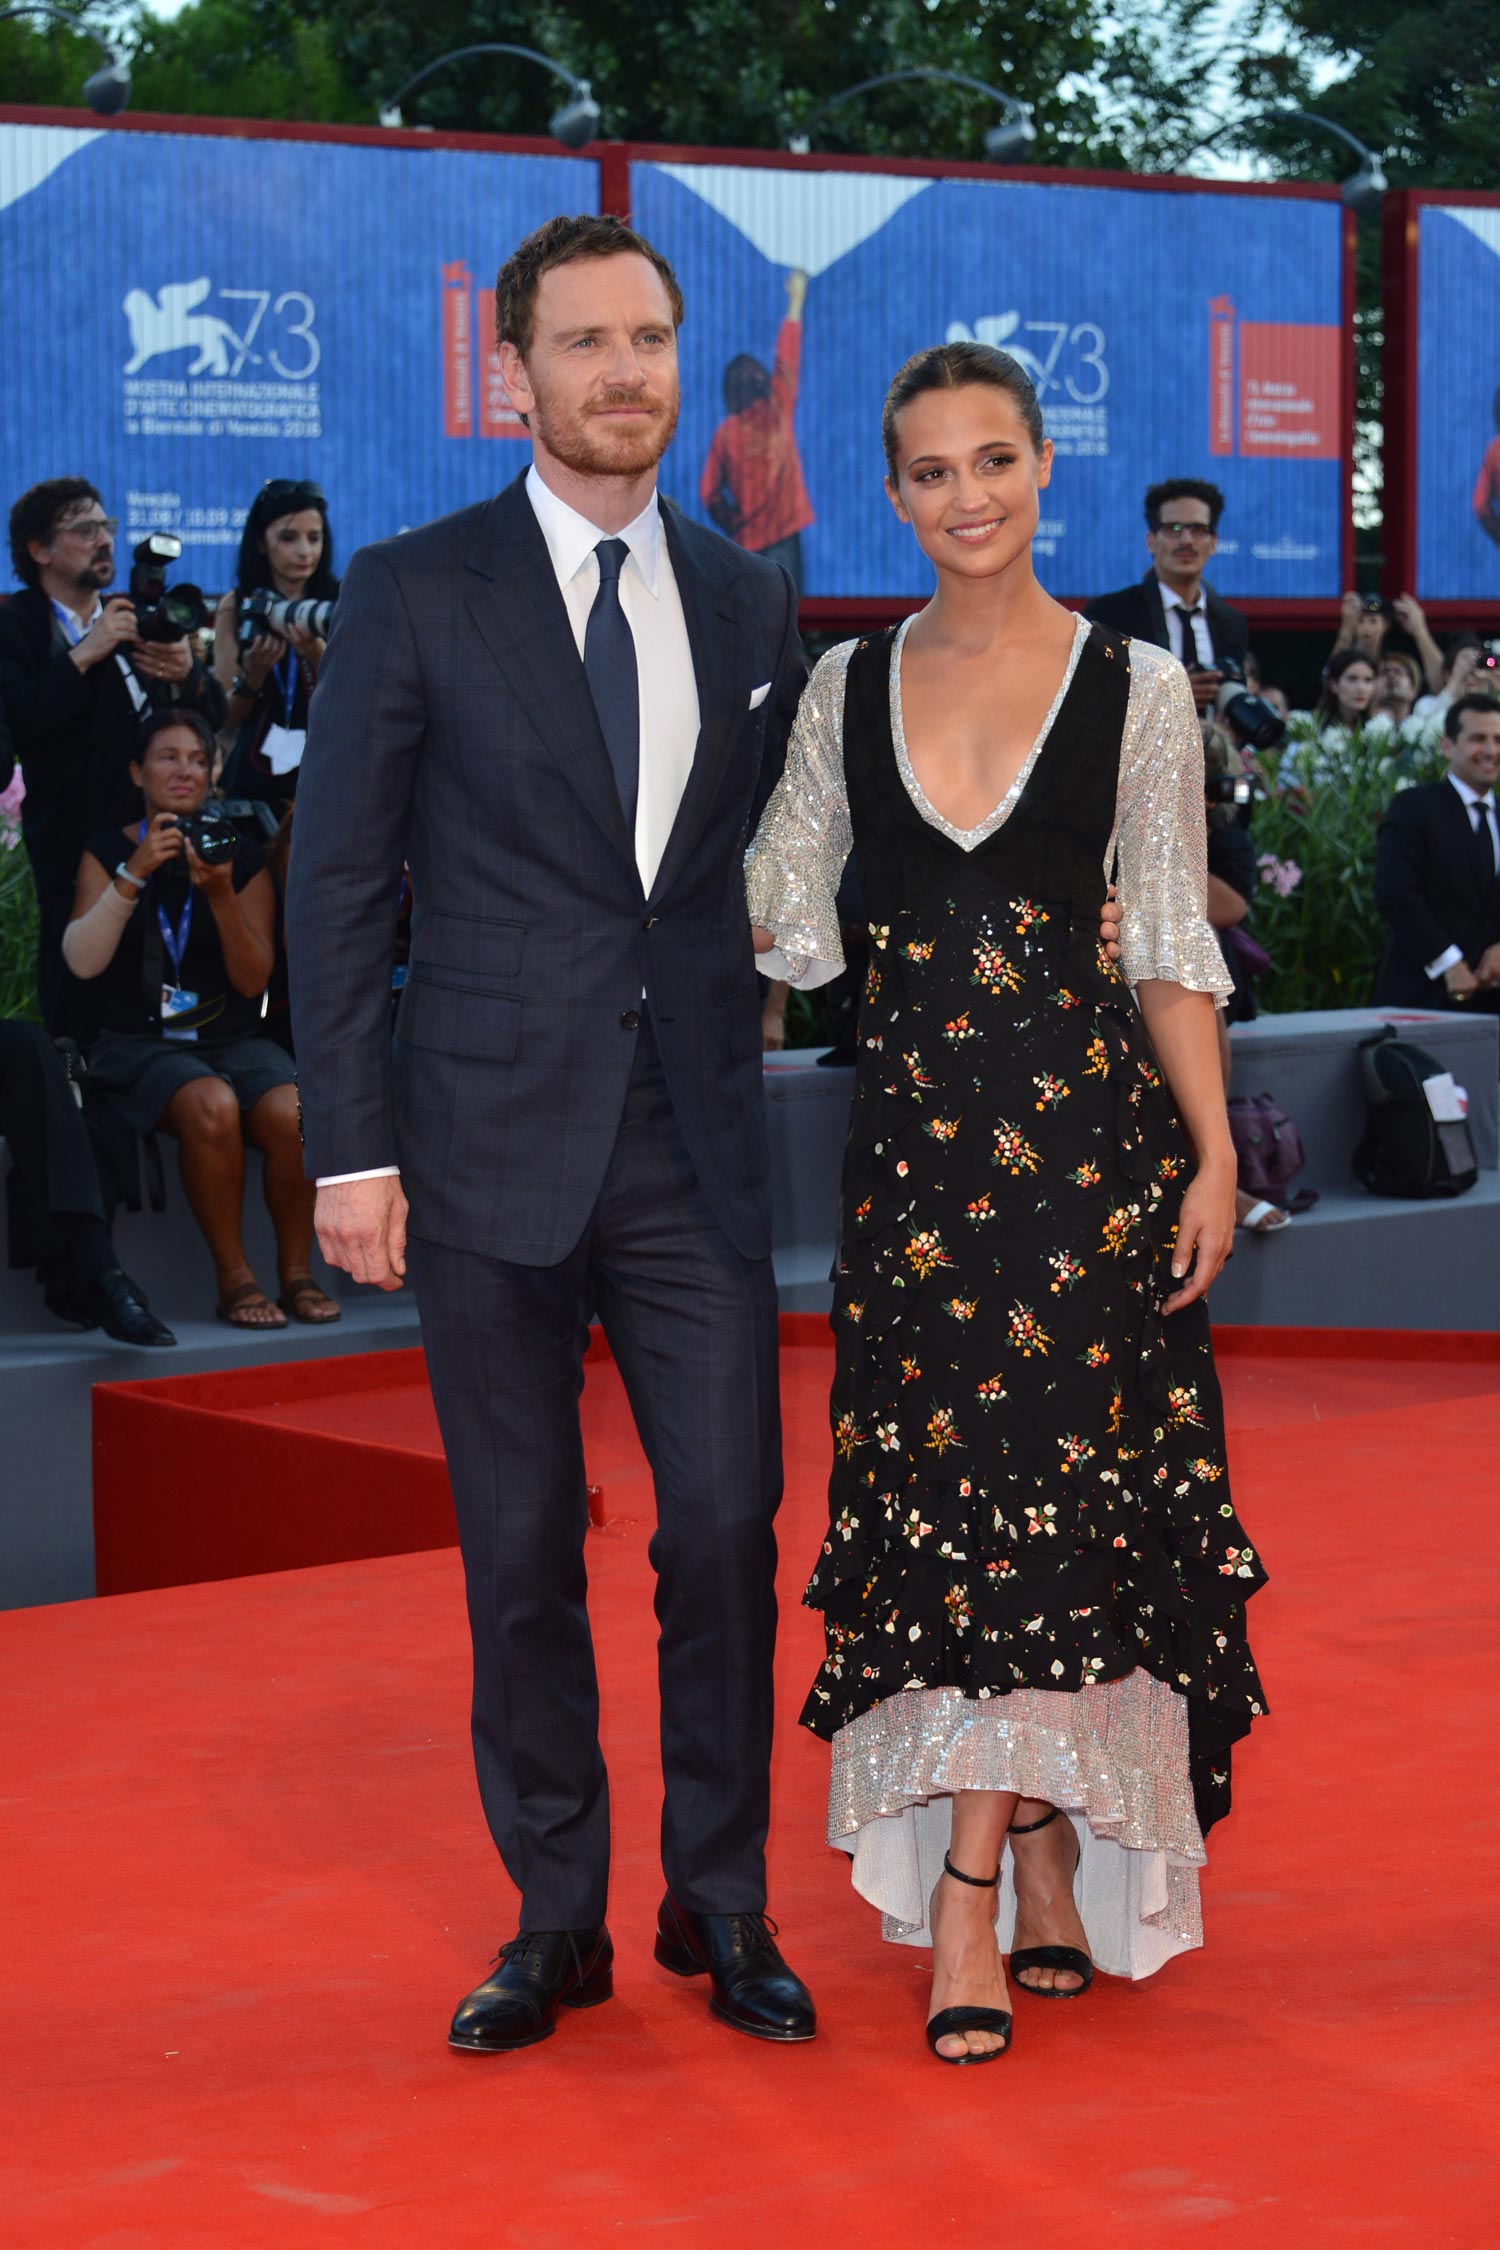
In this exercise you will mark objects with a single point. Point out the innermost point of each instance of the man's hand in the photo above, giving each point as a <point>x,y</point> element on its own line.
<point>1488,971</point>
<point>112,629</point>
<point>1205,687</point>
<point>1409,613</point>
<point>163,660</point>
<point>1109,925</point>
<point>362,1229</point>
<point>1460,980</point>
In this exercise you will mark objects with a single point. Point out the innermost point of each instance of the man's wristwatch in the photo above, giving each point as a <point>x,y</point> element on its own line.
<point>140,881</point>
<point>239,685</point>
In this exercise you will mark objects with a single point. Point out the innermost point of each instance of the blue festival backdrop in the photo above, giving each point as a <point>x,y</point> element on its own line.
<point>1167,333</point>
<point>189,314</point>
<point>1458,402</point>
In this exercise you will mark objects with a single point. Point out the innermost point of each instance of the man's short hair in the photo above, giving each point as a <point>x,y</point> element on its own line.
<point>1184,488</point>
<point>560,242</point>
<point>37,514</point>
<point>1408,664</point>
<point>1453,716</point>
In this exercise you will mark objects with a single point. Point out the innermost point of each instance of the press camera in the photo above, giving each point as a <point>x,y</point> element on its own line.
<point>163,612</point>
<point>1253,719</point>
<point>264,611</point>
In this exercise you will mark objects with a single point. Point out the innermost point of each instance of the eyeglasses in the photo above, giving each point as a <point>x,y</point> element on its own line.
<point>1187,530</point>
<point>92,528</point>
<point>277,490</point>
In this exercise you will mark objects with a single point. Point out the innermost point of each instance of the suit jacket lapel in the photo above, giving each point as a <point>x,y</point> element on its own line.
<point>1156,610</point>
<point>516,603</point>
<point>714,628</point>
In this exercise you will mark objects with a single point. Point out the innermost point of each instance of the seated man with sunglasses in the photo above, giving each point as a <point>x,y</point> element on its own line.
<point>1173,605</point>
<point>74,682</point>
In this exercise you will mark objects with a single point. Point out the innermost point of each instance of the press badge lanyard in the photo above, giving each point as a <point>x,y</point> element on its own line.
<point>283,744</point>
<point>174,1000</point>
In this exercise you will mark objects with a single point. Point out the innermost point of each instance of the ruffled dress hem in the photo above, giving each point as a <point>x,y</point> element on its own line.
<point>1113,1758</point>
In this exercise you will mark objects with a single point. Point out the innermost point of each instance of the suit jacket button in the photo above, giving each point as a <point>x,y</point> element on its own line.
<point>631,1020</point>
<point>650,922</point>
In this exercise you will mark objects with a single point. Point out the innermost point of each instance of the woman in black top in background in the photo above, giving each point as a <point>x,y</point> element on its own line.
<point>178,952</point>
<point>286,547</point>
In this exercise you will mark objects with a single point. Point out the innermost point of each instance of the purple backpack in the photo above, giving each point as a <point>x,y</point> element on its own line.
<point>1268,1145</point>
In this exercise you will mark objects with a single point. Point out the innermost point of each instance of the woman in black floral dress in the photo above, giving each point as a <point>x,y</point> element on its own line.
<point>1033,1583</point>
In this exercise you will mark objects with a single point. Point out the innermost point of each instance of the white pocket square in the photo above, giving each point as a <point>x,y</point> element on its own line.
<point>758,696</point>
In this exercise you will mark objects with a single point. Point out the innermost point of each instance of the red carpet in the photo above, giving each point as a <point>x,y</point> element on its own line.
<point>247,1880</point>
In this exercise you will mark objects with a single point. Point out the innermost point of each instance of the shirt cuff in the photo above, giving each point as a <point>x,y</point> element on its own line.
<point>381,1172</point>
<point>1445,962</point>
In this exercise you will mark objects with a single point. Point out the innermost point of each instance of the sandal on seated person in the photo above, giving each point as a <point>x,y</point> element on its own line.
<point>247,1306</point>
<point>305,1300</point>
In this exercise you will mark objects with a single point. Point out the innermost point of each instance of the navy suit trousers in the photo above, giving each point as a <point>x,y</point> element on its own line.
<point>691,1323</point>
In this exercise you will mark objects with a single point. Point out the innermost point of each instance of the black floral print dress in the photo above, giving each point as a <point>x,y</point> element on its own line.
<point>1031,1540</point>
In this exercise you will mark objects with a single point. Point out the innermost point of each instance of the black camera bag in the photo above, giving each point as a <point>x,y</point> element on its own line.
<point>1403,1150</point>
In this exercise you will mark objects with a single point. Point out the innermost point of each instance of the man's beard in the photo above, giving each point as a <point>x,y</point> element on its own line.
<point>592,448</point>
<point>95,576</point>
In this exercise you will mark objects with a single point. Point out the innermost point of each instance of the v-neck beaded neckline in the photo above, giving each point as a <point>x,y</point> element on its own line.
<point>968,839</point>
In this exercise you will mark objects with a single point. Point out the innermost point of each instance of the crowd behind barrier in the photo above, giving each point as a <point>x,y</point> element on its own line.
<point>149,751</point>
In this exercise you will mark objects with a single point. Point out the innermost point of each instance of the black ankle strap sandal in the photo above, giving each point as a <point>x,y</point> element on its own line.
<point>1066,1957</point>
<point>951,2022</point>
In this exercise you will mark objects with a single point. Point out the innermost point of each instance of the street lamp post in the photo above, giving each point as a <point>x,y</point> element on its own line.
<point>575,124</point>
<point>1006,141</point>
<point>108,89</point>
<point>1365,185</point>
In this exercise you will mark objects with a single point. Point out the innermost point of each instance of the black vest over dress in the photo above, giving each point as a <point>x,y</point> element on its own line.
<point>1029,1486</point>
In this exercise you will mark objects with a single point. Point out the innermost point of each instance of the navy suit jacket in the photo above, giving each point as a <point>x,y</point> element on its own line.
<point>452,728</point>
<point>1140,611</point>
<point>1431,891</point>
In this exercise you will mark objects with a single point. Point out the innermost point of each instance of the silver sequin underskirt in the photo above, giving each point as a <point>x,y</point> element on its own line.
<point>1114,1758</point>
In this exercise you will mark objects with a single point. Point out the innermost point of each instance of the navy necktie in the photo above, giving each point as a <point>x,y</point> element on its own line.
<point>614,682</point>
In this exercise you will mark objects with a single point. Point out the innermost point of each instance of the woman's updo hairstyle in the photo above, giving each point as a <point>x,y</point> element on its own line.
<point>952,367</point>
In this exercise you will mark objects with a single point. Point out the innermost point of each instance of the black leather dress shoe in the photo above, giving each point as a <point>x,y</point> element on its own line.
<point>121,1310</point>
<point>536,1974</point>
<point>751,1986</point>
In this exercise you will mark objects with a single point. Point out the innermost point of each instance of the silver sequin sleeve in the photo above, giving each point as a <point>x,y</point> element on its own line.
<point>792,868</point>
<point>1162,833</point>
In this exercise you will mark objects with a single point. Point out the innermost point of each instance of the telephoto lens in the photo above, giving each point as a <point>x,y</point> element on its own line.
<point>265,612</point>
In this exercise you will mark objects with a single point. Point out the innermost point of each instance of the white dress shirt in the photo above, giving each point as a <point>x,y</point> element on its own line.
<point>1202,638</point>
<point>1471,798</point>
<point>74,627</point>
<point>664,667</point>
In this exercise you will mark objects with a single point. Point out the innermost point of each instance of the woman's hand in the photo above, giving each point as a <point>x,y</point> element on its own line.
<point>761,939</point>
<point>163,841</point>
<point>215,882</point>
<point>307,645</point>
<point>261,657</point>
<point>1205,1232</point>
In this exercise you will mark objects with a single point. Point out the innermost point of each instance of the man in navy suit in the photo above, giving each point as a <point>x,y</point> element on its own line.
<point>1174,605</point>
<point>555,707</point>
<point>1437,875</point>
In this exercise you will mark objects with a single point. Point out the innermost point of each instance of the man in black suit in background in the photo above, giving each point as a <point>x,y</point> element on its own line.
<point>556,707</point>
<point>1173,605</point>
<point>1437,875</point>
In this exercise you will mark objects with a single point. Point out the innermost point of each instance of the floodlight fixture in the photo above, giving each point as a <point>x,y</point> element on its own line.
<point>1007,141</point>
<point>575,124</point>
<point>108,89</point>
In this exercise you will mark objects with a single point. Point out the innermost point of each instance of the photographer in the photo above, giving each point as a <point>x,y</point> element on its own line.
<point>172,925</point>
<point>75,676</point>
<point>286,551</point>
